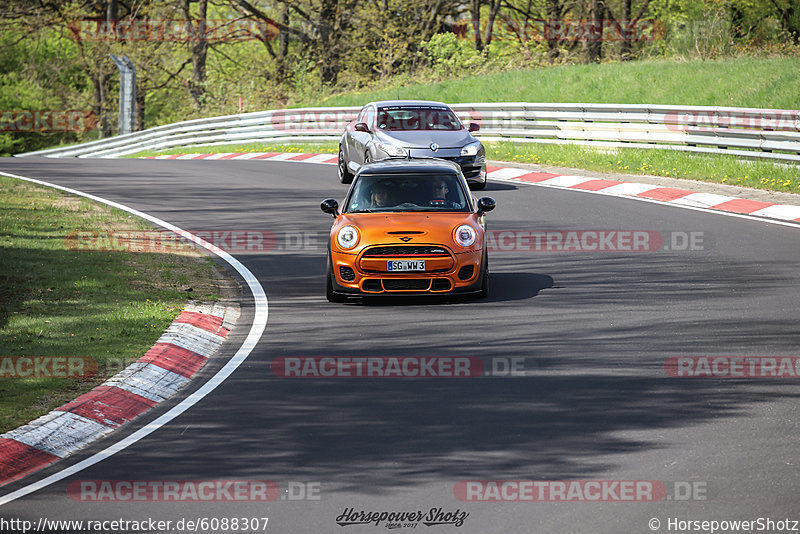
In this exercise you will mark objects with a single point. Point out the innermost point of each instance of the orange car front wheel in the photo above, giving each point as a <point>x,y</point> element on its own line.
<point>329,293</point>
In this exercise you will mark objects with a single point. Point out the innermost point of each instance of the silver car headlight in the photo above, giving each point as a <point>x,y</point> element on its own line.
<point>465,235</point>
<point>392,150</point>
<point>347,237</point>
<point>471,149</point>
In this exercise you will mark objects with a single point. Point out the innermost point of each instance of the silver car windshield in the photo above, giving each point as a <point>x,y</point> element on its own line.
<point>408,192</point>
<point>418,118</point>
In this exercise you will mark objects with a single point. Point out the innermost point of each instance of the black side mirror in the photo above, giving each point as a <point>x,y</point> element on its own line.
<point>362,127</point>
<point>474,127</point>
<point>486,204</point>
<point>330,205</point>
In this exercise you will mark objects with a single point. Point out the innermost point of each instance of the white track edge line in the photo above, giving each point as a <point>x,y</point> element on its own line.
<point>253,336</point>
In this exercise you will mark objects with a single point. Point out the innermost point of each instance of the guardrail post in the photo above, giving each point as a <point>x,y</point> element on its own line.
<point>127,93</point>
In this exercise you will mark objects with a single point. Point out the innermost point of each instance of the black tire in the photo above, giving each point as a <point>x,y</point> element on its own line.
<point>484,292</point>
<point>477,186</point>
<point>329,294</point>
<point>345,176</point>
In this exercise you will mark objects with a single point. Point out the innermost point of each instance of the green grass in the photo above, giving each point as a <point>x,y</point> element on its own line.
<point>59,300</point>
<point>658,162</point>
<point>740,82</point>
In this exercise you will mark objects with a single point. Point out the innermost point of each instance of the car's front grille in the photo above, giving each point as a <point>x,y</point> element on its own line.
<point>378,285</point>
<point>406,284</point>
<point>407,250</point>
<point>441,284</point>
<point>372,285</point>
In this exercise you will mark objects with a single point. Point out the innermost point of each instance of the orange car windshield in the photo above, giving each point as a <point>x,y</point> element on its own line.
<point>396,193</point>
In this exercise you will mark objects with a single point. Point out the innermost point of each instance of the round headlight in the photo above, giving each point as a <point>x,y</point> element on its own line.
<point>347,237</point>
<point>465,235</point>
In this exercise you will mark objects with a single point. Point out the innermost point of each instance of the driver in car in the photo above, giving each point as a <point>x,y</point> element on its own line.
<point>380,196</point>
<point>439,195</point>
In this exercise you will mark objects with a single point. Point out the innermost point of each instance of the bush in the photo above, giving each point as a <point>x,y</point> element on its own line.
<point>448,55</point>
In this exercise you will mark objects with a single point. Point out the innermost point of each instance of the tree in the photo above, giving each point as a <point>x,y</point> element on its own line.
<point>594,30</point>
<point>789,16</point>
<point>199,48</point>
<point>326,27</point>
<point>484,41</point>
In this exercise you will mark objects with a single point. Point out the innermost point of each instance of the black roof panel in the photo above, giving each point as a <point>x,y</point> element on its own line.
<point>415,165</point>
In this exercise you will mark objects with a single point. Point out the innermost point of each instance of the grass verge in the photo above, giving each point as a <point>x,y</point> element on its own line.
<point>655,162</point>
<point>741,82</point>
<point>68,290</point>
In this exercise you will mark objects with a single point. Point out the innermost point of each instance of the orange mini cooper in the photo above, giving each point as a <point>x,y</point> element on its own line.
<point>407,227</point>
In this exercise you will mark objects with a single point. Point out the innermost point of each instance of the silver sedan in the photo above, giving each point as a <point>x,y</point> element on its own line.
<point>411,129</point>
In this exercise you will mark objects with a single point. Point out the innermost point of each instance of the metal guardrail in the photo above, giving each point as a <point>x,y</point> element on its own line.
<point>743,132</point>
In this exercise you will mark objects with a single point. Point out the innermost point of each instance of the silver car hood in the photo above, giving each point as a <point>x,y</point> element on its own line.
<point>424,138</point>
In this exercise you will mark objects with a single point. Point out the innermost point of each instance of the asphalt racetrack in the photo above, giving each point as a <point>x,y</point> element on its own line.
<point>574,398</point>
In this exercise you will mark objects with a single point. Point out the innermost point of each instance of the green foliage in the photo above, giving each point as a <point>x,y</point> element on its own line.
<point>305,79</point>
<point>398,46</point>
<point>450,56</point>
<point>31,79</point>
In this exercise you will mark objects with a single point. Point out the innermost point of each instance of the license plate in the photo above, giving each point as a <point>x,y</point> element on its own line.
<point>407,265</point>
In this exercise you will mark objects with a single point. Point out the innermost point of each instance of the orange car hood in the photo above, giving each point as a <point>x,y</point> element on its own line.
<point>389,228</point>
